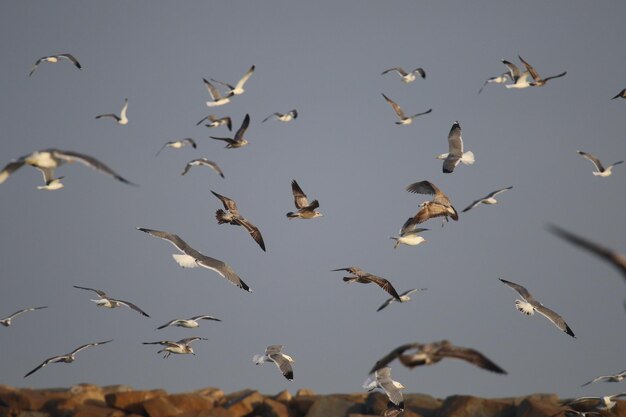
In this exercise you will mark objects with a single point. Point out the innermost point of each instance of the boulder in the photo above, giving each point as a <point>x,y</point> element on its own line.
<point>243,403</point>
<point>86,410</point>
<point>537,407</point>
<point>468,406</point>
<point>191,402</point>
<point>422,404</point>
<point>160,407</point>
<point>132,401</point>
<point>332,405</point>
<point>272,408</point>
<point>283,396</point>
<point>216,394</point>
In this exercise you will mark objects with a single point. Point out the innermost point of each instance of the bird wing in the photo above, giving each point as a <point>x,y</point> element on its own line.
<point>270,116</point>
<point>169,323</point>
<point>214,92</point>
<point>188,340</point>
<point>421,114</point>
<point>381,363</point>
<point>175,240</point>
<point>205,317</point>
<point>531,70</point>
<point>395,107</point>
<point>384,284</point>
<point>520,290</point>
<point>242,130</point>
<point>114,116</point>
<point>24,310</point>
<point>44,363</point>
<point>300,199</point>
<point>124,109</point>
<point>554,318</point>
<point>101,293</point>
<point>283,364</point>
<point>31,73</point>
<point>190,141</point>
<point>594,159</point>
<point>353,270</point>
<point>554,76</point>
<point>89,161</point>
<point>132,306</point>
<point>383,377</point>
<point>253,230</point>
<point>514,71</point>
<point>455,141</point>
<point>386,303</point>
<point>232,87</point>
<point>245,78</point>
<point>10,168</point>
<point>228,203</point>
<point>470,355</point>
<point>209,118</point>
<point>72,59</point>
<point>495,193</point>
<point>424,187</point>
<point>88,345</point>
<point>596,379</point>
<point>221,268</point>
<point>620,94</point>
<point>474,204</point>
<point>420,71</point>
<point>213,166</point>
<point>396,69</point>
<point>273,349</point>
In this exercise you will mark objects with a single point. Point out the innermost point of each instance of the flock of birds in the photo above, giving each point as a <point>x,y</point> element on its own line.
<point>439,205</point>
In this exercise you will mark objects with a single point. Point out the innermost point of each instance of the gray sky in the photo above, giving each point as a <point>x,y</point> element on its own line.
<point>325,59</point>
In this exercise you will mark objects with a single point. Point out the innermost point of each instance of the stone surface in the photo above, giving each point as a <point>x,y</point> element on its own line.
<point>330,405</point>
<point>86,410</point>
<point>283,396</point>
<point>467,406</point>
<point>191,402</point>
<point>272,408</point>
<point>131,401</point>
<point>160,407</point>
<point>422,404</point>
<point>305,392</point>
<point>216,394</point>
<point>243,403</point>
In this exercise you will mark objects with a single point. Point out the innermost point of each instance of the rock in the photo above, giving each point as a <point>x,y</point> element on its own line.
<point>535,407</point>
<point>216,394</point>
<point>331,405</point>
<point>422,404</point>
<point>467,406</point>
<point>160,407</point>
<point>191,402</point>
<point>132,401</point>
<point>243,403</point>
<point>87,410</point>
<point>300,404</point>
<point>33,414</point>
<point>272,408</point>
<point>305,392</point>
<point>283,396</point>
<point>376,403</point>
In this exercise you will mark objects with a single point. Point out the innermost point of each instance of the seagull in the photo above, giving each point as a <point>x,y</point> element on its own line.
<point>287,117</point>
<point>570,412</point>
<point>455,151</point>
<point>406,77</point>
<point>217,121</point>
<point>237,89</point>
<point>181,347</point>
<point>404,120</point>
<point>52,184</point>
<point>607,378</point>
<point>409,236</point>
<point>488,199</point>
<point>274,353</point>
<point>404,297</point>
<point>189,323</point>
<point>439,206</point>
<point>382,379</point>
<point>216,97</point>
<point>108,302</point>
<point>529,305</point>
<point>177,144</point>
<point>539,82</point>
<point>600,171</point>
<point>305,210</point>
<point>54,59</point>
<point>431,353</point>
<point>6,322</point>
<point>605,403</point>
<point>365,278</point>
<point>520,80</point>
<point>47,160</point>
<point>621,94</point>
<point>500,79</point>
<point>232,216</point>
<point>191,258</point>
<point>238,141</point>
<point>121,119</point>
<point>68,358</point>
<point>202,162</point>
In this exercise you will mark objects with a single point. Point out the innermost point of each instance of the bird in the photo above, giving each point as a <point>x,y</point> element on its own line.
<point>382,379</point>
<point>604,403</point>
<point>191,258</point>
<point>616,259</point>
<point>274,353</point>
<point>7,321</point>
<point>216,97</point>
<point>392,410</point>
<point>177,144</point>
<point>68,358</point>
<point>189,323</point>
<point>203,162</point>
<point>539,82</point>
<point>621,94</point>
<point>570,412</point>
<point>404,76</point>
<point>488,199</point>
<point>232,216</point>
<point>500,79</point>
<point>52,184</point>
<point>365,278</point>
<point>121,119</point>
<point>217,121</point>
<point>287,117</point>
<point>455,151</point>
<point>600,171</point>
<point>619,377</point>
<point>180,347</point>
<point>404,120</point>
<point>439,206</point>
<point>53,59</point>
<point>404,297</point>
<point>47,160</point>
<point>109,302</point>
<point>238,140</point>
<point>519,78</point>
<point>431,353</point>
<point>305,210</point>
<point>529,305</point>
<point>409,236</point>
<point>237,89</point>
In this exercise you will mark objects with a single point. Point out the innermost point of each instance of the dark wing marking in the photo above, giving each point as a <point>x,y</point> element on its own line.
<point>101,293</point>
<point>300,199</point>
<point>228,203</point>
<point>89,161</point>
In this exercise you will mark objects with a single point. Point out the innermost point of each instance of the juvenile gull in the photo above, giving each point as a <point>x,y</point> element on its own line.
<point>237,89</point>
<point>406,77</point>
<point>404,120</point>
<point>238,141</point>
<point>189,323</point>
<point>177,144</point>
<point>529,305</point>
<point>6,322</point>
<point>382,379</point>
<point>216,97</point>
<point>204,163</point>
<point>455,151</point>
<point>409,236</point>
<point>488,199</point>
<point>600,171</point>
<point>404,298</point>
<point>180,347</point>
<point>520,80</point>
<point>286,117</point>
<point>215,121</point>
<point>305,210</point>
<point>121,119</point>
<point>604,403</point>
<point>500,79</point>
<point>363,277</point>
<point>232,216</point>
<point>274,353</point>
<point>68,358</point>
<point>439,206</point>
<point>539,82</point>
<point>54,59</point>
<point>607,378</point>
<point>109,302</point>
<point>191,258</point>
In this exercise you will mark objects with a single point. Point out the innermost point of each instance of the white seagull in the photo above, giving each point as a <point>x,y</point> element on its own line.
<point>216,97</point>
<point>404,120</point>
<point>605,403</point>
<point>180,347</point>
<point>121,119</point>
<point>286,117</point>
<point>600,171</point>
<point>406,77</point>
<point>215,121</point>
<point>68,358</point>
<point>189,323</point>
<point>6,322</point>
<point>54,59</point>
<point>500,79</point>
<point>520,80</point>
<point>404,298</point>
<point>52,184</point>
<point>455,151</point>
<point>203,162</point>
<point>237,89</point>
<point>274,353</point>
<point>108,302</point>
<point>177,144</point>
<point>191,258</point>
<point>382,379</point>
<point>409,236</point>
<point>489,199</point>
<point>608,378</point>
<point>529,305</point>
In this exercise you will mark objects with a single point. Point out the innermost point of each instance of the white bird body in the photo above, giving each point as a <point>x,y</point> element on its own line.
<point>467,158</point>
<point>52,184</point>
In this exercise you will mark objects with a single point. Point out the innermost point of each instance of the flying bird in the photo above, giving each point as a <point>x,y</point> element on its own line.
<point>404,120</point>
<point>406,77</point>
<point>286,117</point>
<point>215,121</point>
<point>238,88</point>
<point>305,210</point>
<point>274,353</point>
<point>604,403</point>
<point>7,321</point>
<point>232,216</point>
<point>621,94</point>
<point>68,358</point>
<point>404,298</point>
<point>177,144</point>
<point>216,96</point>
<point>121,119</point>
<point>238,141</point>
<point>600,171</point>
<point>382,379</point>
<point>619,377</point>
<point>180,347</point>
<point>189,323</point>
<point>500,79</point>
<point>520,80</point>
<point>539,82</point>
<point>53,59</point>
<point>191,258</point>
<point>455,151</point>
<point>489,199</point>
<point>109,302</point>
<point>431,353</point>
<point>203,162</point>
<point>52,184</point>
<point>363,277</point>
<point>47,160</point>
<point>409,236</point>
<point>529,305</point>
<point>439,206</point>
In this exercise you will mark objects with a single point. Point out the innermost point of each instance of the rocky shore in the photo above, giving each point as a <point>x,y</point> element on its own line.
<point>86,400</point>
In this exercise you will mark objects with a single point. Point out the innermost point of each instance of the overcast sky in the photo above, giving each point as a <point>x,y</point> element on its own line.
<point>325,59</point>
